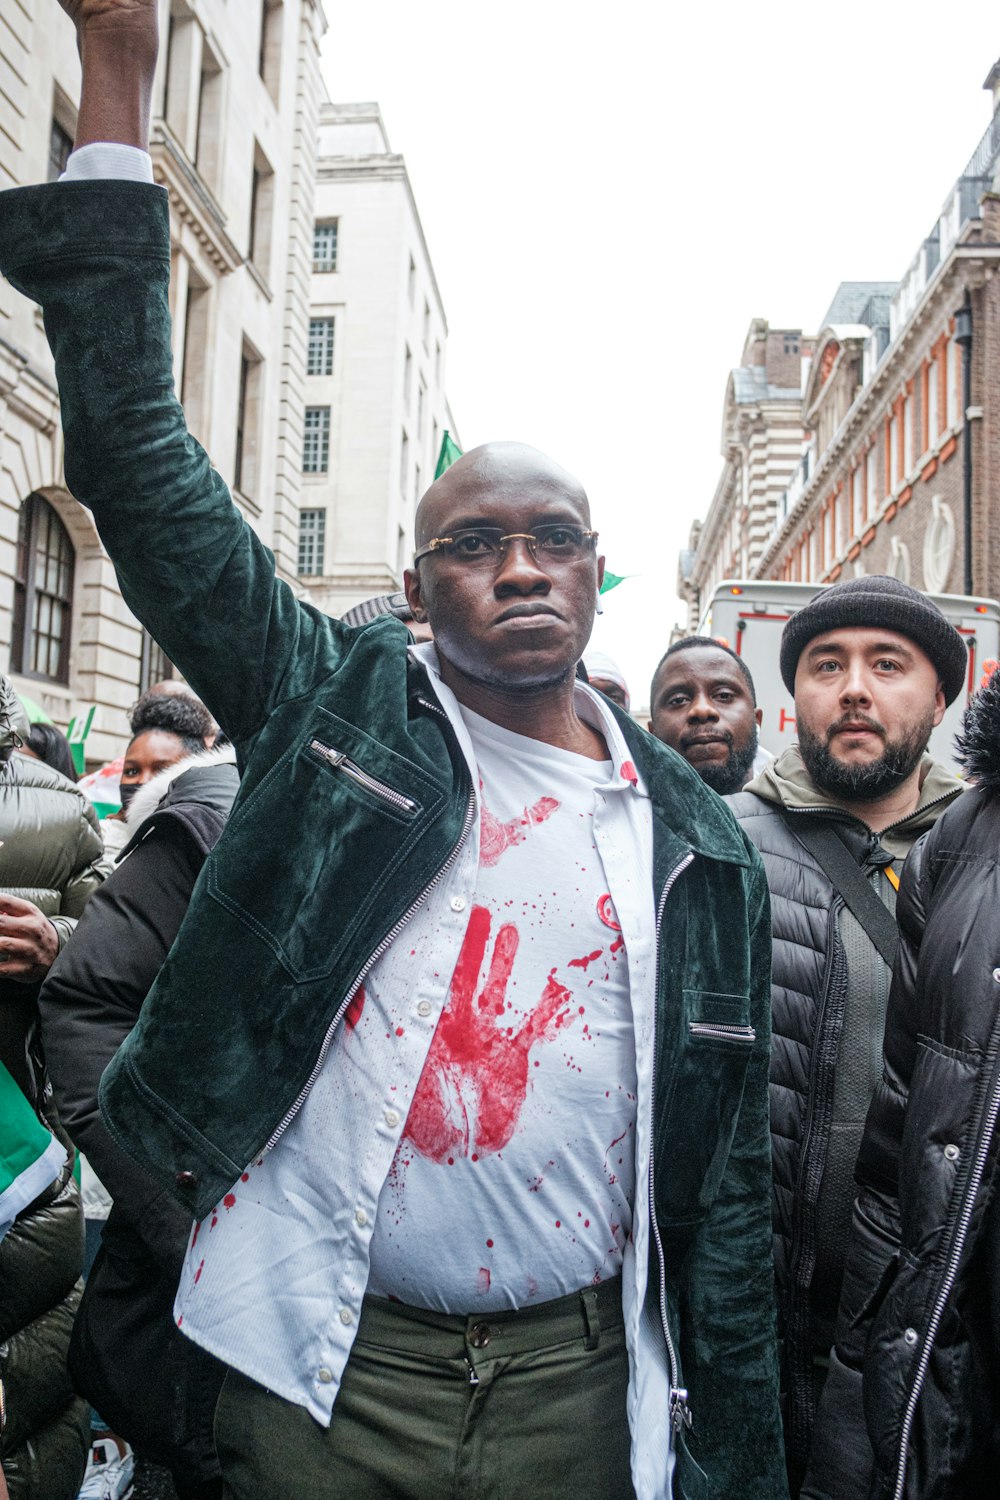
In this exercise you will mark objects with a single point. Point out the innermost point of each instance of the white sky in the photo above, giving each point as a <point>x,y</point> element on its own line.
<point>611,193</point>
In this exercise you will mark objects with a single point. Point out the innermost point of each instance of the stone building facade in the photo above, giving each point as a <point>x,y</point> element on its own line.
<point>897,466</point>
<point>235,114</point>
<point>376,407</point>
<point>762,437</point>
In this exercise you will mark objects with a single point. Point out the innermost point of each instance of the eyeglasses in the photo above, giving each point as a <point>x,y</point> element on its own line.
<point>554,543</point>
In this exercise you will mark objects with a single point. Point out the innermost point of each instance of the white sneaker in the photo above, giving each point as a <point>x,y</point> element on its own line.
<point>110,1470</point>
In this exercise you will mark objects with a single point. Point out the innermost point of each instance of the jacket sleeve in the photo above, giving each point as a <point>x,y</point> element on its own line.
<point>841,1459</point>
<point>88,873</point>
<point>96,256</point>
<point>91,1000</point>
<point>738,1438</point>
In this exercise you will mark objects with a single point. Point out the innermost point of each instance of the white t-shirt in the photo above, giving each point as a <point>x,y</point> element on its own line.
<point>526,1105</point>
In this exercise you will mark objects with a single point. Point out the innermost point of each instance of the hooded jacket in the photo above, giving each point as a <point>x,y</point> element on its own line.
<point>49,848</point>
<point>821,961</point>
<point>911,1408</point>
<point>153,1386</point>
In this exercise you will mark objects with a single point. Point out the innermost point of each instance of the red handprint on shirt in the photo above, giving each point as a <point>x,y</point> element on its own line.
<point>495,838</point>
<point>475,1079</point>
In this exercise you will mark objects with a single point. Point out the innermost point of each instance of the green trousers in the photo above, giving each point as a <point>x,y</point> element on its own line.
<point>506,1406</point>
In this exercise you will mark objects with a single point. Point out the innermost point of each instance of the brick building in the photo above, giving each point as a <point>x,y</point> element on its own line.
<point>761,446</point>
<point>896,465</point>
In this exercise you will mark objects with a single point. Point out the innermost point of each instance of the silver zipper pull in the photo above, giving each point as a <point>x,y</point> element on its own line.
<point>680,1412</point>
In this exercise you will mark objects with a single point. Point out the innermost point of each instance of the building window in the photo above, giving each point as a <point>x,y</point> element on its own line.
<point>320,357</point>
<point>953,357</point>
<point>416,483</point>
<point>437,363</point>
<point>908,453</point>
<point>894,454</point>
<point>411,281</point>
<point>60,145</point>
<point>873,493</point>
<point>857,500</point>
<point>898,565</point>
<point>316,442</point>
<point>427,325</point>
<point>43,593</point>
<point>261,212</point>
<point>421,395</point>
<point>933,417</point>
<point>939,547</point>
<point>269,60</point>
<point>325,245</point>
<point>407,378</point>
<point>154,664</point>
<point>312,536</point>
<point>246,463</point>
<point>841,523</point>
<point>404,464</point>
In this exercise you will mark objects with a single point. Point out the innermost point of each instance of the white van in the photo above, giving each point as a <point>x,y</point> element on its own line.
<point>749,616</point>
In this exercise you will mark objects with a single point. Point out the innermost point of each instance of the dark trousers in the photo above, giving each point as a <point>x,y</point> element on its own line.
<point>485,1407</point>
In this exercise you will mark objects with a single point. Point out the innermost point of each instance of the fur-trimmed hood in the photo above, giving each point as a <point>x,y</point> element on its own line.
<point>149,797</point>
<point>979,742</point>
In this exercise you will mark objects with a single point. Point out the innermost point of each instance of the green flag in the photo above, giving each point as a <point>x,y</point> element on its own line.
<point>450,451</point>
<point>30,1158</point>
<point>612,580</point>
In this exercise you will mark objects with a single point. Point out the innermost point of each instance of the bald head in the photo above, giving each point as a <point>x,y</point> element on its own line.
<point>494,472</point>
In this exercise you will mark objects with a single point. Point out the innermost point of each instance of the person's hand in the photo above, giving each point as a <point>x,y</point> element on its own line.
<point>28,941</point>
<point>117,41</point>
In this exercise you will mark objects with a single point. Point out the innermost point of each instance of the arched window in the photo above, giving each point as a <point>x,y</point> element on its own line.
<point>43,593</point>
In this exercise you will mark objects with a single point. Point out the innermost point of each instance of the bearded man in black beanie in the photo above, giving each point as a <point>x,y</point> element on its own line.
<point>872,664</point>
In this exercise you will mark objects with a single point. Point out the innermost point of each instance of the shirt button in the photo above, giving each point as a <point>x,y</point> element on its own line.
<point>424,1008</point>
<point>360,1217</point>
<point>324,1376</point>
<point>910,1336</point>
<point>346,1316</point>
<point>458,904</point>
<point>996,975</point>
<point>391,1119</point>
<point>952,1153</point>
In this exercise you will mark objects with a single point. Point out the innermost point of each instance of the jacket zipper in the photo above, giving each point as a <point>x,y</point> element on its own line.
<point>723,1031</point>
<point>951,1271</point>
<point>341,762</point>
<point>680,1412</point>
<point>389,938</point>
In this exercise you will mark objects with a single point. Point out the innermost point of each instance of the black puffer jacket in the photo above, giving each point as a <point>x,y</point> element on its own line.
<point>920,1311</point>
<point>150,1383</point>
<point>809,978</point>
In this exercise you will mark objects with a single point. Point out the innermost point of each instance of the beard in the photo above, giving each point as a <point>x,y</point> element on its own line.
<point>870,780</point>
<point>732,775</point>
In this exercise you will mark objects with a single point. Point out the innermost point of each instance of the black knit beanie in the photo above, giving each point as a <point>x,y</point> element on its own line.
<point>878,602</point>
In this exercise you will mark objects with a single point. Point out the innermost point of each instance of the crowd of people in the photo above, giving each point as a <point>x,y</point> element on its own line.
<point>476,1093</point>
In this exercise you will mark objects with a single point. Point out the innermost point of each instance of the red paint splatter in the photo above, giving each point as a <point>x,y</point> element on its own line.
<point>489,1244</point>
<point>352,1015</point>
<point>495,838</point>
<point>588,958</point>
<point>484,1281</point>
<point>197,1274</point>
<point>616,945</point>
<point>194,1237</point>
<point>606,912</point>
<point>475,1079</point>
<point>558,1224</point>
<point>628,773</point>
<point>245,1177</point>
<point>215,1220</point>
<point>399,1030</point>
<point>229,1201</point>
<point>180,1321</point>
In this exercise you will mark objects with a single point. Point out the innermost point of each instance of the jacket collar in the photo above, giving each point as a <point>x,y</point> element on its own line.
<point>979,741</point>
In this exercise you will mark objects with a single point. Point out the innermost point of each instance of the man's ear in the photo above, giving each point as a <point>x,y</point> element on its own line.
<point>411,588</point>
<point>758,714</point>
<point>649,725</point>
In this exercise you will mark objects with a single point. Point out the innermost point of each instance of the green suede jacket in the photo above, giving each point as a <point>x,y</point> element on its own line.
<point>323,859</point>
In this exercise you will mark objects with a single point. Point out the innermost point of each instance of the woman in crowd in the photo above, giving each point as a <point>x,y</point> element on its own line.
<point>150,1384</point>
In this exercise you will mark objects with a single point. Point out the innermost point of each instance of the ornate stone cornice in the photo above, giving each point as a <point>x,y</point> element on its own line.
<point>191,201</point>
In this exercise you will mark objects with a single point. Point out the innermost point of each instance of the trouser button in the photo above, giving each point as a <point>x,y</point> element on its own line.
<point>480,1335</point>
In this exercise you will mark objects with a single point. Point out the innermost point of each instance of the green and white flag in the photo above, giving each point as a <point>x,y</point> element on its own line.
<point>30,1158</point>
<point>450,452</point>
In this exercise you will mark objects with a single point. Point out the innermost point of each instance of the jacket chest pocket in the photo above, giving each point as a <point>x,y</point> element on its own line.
<point>701,1087</point>
<point>312,860</point>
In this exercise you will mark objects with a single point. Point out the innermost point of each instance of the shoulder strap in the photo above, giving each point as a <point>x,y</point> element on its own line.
<point>836,860</point>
